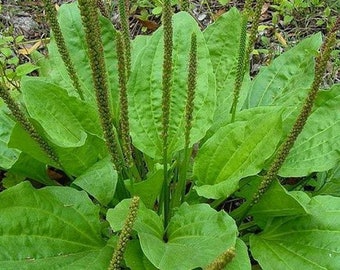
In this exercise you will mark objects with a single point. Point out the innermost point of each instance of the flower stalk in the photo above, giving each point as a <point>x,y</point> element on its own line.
<point>240,66</point>
<point>221,261</point>
<point>117,258</point>
<point>123,102</point>
<point>185,4</point>
<point>253,28</point>
<point>102,7</point>
<point>90,20</point>
<point>51,14</point>
<point>189,108</point>
<point>245,50</point>
<point>166,99</point>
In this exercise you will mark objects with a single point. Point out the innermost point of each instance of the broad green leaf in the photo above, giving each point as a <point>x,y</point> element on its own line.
<point>75,160</point>
<point>47,106</point>
<point>99,181</point>
<point>86,115</point>
<point>135,258</point>
<point>303,241</point>
<point>8,156</point>
<point>276,202</point>
<point>317,147</point>
<point>148,190</point>
<point>145,90</point>
<point>50,228</point>
<point>69,15</point>
<point>286,80</point>
<point>222,38</point>
<point>196,229</point>
<point>241,260</point>
<point>235,151</point>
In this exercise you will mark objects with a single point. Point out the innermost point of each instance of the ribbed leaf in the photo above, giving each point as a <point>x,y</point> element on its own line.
<point>50,228</point>
<point>75,40</point>
<point>235,151</point>
<point>223,39</point>
<point>286,80</point>
<point>145,90</point>
<point>197,234</point>
<point>77,160</point>
<point>304,241</point>
<point>138,44</point>
<point>86,115</point>
<point>49,105</point>
<point>317,147</point>
<point>99,181</point>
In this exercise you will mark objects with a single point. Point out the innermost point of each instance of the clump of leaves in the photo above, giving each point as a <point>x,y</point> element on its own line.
<point>170,106</point>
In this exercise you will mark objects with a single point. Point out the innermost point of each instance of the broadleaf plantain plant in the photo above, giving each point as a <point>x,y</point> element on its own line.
<point>157,138</point>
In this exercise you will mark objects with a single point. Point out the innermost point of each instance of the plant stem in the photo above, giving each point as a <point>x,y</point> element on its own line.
<point>123,102</point>
<point>189,108</point>
<point>166,100</point>
<point>90,20</point>
<point>244,53</point>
